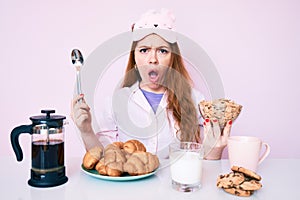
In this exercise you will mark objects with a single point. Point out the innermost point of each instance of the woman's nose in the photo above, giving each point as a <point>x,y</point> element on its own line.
<point>153,57</point>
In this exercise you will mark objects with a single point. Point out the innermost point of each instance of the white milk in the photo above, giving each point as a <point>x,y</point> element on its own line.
<point>186,167</point>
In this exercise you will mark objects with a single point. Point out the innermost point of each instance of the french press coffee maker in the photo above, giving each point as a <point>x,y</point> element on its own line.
<point>47,149</point>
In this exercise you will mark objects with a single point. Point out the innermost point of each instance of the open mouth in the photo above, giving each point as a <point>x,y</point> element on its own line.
<point>153,74</point>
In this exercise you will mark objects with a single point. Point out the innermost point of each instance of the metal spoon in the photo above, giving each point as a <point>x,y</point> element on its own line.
<point>77,60</point>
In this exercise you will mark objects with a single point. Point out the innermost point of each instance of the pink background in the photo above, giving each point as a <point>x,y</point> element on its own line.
<point>254,44</point>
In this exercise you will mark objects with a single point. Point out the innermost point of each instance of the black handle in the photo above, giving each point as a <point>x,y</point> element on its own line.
<point>14,139</point>
<point>48,112</point>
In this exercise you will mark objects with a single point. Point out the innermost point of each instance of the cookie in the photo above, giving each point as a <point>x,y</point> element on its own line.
<point>230,180</point>
<point>250,185</point>
<point>221,109</point>
<point>246,172</point>
<point>238,192</point>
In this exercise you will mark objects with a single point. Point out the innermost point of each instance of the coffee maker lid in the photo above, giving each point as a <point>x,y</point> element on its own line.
<point>52,120</point>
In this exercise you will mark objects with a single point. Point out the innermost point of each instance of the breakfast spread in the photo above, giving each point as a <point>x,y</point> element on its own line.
<point>121,158</point>
<point>239,182</point>
<point>221,109</point>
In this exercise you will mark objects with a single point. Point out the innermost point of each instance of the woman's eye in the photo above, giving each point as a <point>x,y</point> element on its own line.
<point>144,50</point>
<point>163,51</point>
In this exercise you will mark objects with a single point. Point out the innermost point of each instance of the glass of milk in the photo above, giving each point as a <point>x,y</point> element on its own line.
<point>186,166</point>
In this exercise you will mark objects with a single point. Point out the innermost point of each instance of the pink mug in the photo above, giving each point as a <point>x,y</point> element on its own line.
<point>246,151</point>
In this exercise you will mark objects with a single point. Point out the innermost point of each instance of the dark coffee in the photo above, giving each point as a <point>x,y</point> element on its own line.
<point>47,156</point>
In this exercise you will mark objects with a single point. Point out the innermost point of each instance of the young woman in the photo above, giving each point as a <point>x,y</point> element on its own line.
<point>156,102</point>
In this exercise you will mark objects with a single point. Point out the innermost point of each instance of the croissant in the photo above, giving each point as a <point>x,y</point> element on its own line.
<point>112,162</point>
<point>107,170</point>
<point>119,157</point>
<point>113,153</point>
<point>92,157</point>
<point>133,145</point>
<point>118,144</point>
<point>140,163</point>
<point>100,167</point>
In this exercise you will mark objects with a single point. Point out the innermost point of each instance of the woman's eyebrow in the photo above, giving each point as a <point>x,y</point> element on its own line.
<point>158,47</point>
<point>163,46</point>
<point>143,46</point>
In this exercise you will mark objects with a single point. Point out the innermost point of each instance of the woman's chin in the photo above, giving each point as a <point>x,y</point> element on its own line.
<point>153,87</point>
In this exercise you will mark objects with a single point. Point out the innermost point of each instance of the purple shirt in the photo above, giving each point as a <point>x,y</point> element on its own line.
<point>153,99</point>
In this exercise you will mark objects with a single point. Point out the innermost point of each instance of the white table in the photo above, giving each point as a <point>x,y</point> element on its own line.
<point>280,179</point>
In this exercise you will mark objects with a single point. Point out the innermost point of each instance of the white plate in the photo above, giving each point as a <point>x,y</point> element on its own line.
<point>94,173</point>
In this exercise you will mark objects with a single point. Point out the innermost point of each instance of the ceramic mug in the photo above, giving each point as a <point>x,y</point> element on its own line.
<point>246,151</point>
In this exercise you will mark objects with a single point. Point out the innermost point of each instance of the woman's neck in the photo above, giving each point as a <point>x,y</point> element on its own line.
<point>157,90</point>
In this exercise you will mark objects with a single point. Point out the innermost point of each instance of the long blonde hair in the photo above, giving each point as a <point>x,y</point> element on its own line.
<point>178,84</point>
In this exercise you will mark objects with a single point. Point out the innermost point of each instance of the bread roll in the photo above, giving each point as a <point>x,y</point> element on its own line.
<point>140,163</point>
<point>92,157</point>
<point>113,153</point>
<point>111,169</point>
<point>114,159</point>
<point>114,169</point>
<point>119,157</point>
<point>134,145</point>
<point>100,167</point>
<point>118,144</point>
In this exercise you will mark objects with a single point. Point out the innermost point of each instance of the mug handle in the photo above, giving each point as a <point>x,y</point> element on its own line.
<point>266,153</point>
